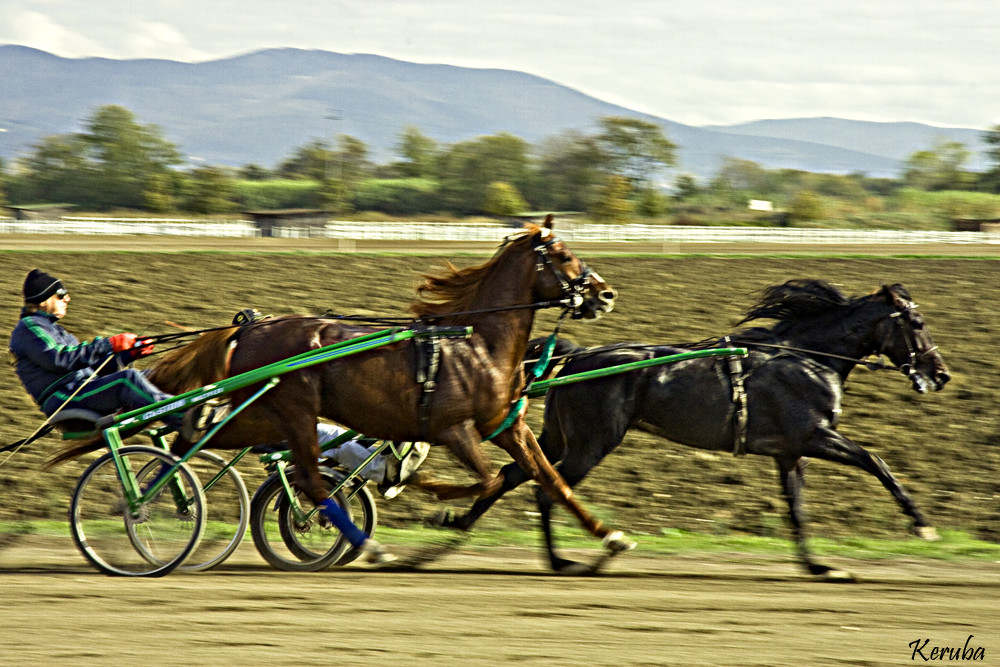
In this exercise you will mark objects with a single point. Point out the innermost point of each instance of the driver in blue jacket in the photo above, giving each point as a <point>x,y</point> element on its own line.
<point>60,371</point>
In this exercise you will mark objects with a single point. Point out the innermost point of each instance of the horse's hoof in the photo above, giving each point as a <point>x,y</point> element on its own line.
<point>835,576</point>
<point>616,542</point>
<point>576,570</point>
<point>443,519</point>
<point>927,533</point>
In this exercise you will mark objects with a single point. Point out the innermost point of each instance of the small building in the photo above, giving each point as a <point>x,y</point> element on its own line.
<point>296,222</point>
<point>975,224</point>
<point>39,211</point>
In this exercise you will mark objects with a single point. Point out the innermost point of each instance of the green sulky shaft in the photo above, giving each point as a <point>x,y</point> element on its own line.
<point>539,388</point>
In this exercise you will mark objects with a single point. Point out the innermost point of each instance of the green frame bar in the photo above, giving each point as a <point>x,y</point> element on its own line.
<point>306,359</point>
<point>539,388</point>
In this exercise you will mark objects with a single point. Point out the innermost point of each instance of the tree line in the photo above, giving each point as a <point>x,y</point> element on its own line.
<point>622,171</point>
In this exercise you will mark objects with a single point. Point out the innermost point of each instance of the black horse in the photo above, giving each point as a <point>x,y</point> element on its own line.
<point>782,400</point>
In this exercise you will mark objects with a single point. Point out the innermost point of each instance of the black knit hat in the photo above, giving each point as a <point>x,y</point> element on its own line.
<point>39,286</point>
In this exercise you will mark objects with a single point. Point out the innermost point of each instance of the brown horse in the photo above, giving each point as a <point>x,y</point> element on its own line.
<point>376,392</point>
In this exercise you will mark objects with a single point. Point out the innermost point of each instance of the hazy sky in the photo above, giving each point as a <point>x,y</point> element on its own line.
<point>696,62</point>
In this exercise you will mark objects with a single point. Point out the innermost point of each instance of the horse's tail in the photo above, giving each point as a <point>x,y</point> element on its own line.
<point>73,450</point>
<point>202,361</point>
<point>562,348</point>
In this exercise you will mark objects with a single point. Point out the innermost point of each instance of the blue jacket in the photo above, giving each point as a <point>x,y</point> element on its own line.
<point>50,358</point>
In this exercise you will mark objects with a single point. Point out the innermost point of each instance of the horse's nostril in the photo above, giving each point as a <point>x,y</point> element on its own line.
<point>608,295</point>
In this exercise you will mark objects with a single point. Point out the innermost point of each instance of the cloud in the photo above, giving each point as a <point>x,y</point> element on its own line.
<point>716,62</point>
<point>40,31</point>
<point>148,39</point>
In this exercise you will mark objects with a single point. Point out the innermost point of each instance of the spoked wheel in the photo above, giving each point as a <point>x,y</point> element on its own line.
<point>227,514</point>
<point>305,546</point>
<point>148,540</point>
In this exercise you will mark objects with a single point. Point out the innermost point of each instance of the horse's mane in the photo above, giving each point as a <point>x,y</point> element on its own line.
<point>454,289</point>
<point>202,361</point>
<point>796,300</point>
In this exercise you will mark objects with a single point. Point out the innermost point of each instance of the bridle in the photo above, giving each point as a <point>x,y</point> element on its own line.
<point>904,313</point>
<point>572,289</point>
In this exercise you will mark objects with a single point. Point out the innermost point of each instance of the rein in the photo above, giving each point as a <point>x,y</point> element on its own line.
<point>870,365</point>
<point>362,319</point>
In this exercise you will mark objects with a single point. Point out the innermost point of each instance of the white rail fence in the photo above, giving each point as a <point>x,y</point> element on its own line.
<point>437,231</point>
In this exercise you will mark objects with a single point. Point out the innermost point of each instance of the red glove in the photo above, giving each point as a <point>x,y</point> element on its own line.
<point>142,348</point>
<point>121,342</point>
<point>126,342</point>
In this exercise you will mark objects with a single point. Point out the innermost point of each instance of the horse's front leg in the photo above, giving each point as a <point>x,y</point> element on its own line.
<point>791,472</point>
<point>829,445</point>
<point>520,443</point>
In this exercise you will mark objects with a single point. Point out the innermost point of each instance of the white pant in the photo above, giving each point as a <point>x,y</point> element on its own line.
<point>351,453</point>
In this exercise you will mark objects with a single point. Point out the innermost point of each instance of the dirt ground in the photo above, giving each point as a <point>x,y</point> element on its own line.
<point>487,606</point>
<point>490,606</point>
<point>944,447</point>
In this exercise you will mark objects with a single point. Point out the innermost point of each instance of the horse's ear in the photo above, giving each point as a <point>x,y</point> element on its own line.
<point>890,292</point>
<point>548,221</point>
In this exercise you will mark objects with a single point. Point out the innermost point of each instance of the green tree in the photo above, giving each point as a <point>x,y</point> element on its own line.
<point>419,153</point>
<point>335,196</point>
<point>126,156</point>
<point>3,182</point>
<point>613,202</point>
<point>805,205</point>
<point>686,187</point>
<point>57,171</point>
<point>651,203</point>
<point>351,160</point>
<point>254,172</point>
<point>940,168</point>
<point>111,164</point>
<point>158,195</point>
<point>210,190</point>
<point>991,179</point>
<point>313,161</point>
<point>636,149</point>
<point>467,168</point>
<point>503,199</point>
<point>568,173</point>
<point>746,177</point>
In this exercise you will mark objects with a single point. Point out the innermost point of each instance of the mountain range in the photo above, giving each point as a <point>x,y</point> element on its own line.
<point>259,107</point>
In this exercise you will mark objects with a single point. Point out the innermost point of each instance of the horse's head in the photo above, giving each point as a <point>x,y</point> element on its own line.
<point>908,343</point>
<point>564,277</point>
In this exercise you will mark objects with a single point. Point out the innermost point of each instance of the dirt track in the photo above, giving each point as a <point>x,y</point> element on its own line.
<point>492,606</point>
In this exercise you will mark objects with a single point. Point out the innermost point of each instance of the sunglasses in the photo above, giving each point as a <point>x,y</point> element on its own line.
<point>62,294</point>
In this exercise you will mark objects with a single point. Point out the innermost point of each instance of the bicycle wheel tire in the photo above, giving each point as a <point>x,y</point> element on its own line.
<point>227,510</point>
<point>148,541</point>
<point>290,545</point>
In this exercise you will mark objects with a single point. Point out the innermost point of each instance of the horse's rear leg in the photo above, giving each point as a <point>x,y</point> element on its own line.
<point>791,472</point>
<point>511,477</point>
